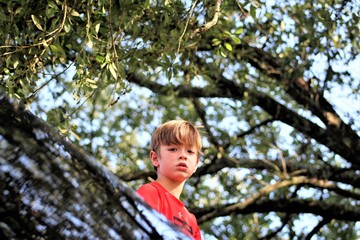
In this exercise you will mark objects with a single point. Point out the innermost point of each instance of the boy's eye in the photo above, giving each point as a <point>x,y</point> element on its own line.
<point>172,149</point>
<point>191,151</point>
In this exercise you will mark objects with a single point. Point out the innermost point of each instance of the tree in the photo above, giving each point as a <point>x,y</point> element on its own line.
<point>51,189</point>
<point>264,80</point>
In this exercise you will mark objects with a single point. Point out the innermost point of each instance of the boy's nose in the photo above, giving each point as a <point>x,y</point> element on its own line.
<point>182,154</point>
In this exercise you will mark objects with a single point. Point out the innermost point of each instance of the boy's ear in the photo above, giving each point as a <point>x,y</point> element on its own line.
<point>154,158</point>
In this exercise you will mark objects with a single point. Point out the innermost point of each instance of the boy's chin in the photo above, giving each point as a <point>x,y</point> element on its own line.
<point>181,177</point>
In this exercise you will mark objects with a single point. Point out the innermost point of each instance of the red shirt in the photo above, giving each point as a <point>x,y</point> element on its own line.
<point>164,202</point>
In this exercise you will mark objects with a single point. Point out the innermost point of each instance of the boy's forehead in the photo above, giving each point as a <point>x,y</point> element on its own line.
<point>177,145</point>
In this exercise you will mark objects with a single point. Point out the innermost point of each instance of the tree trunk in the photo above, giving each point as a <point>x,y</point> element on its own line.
<point>49,188</point>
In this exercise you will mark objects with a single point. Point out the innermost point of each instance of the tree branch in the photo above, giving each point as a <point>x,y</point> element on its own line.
<point>317,228</point>
<point>347,176</point>
<point>348,142</point>
<point>56,189</point>
<point>322,208</point>
<point>210,24</point>
<point>228,89</point>
<point>274,233</point>
<point>202,114</point>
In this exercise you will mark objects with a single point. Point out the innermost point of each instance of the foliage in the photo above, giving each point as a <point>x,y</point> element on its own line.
<point>269,81</point>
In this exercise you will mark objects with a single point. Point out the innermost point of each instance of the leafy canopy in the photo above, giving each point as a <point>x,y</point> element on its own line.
<point>273,83</point>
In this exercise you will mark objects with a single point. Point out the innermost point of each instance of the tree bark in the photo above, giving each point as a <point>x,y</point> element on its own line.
<point>50,188</point>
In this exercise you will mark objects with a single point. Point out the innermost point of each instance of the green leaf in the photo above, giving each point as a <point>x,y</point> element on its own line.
<point>91,83</point>
<point>57,49</point>
<point>74,13</point>
<point>51,9</point>
<point>97,28</point>
<point>216,42</point>
<point>228,46</point>
<point>3,16</point>
<point>16,63</point>
<point>67,27</point>
<point>18,10</point>
<point>221,51</point>
<point>36,22</point>
<point>236,40</point>
<point>239,31</point>
<point>253,11</point>
<point>112,68</point>
<point>100,59</point>
<point>227,33</point>
<point>6,71</point>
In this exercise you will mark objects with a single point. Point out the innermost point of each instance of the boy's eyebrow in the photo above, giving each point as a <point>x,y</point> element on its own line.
<point>177,145</point>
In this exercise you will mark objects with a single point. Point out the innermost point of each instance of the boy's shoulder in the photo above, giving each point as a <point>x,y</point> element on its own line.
<point>151,187</point>
<point>152,195</point>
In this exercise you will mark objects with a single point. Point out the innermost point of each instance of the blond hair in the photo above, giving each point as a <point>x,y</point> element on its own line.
<point>178,132</point>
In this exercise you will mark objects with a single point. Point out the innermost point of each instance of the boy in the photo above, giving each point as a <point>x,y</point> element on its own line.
<point>175,154</point>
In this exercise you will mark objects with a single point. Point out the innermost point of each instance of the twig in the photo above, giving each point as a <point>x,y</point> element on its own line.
<point>187,23</point>
<point>202,114</point>
<point>210,24</point>
<point>318,227</point>
<point>283,162</point>
<point>76,109</point>
<point>36,91</point>
<point>273,234</point>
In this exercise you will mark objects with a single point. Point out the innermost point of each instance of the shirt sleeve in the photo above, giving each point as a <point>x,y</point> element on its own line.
<point>150,195</point>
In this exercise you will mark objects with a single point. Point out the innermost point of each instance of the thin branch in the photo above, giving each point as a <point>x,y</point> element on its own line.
<point>334,210</point>
<point>210,24</point>
<point>323,184</point>
<point>202,114</point>
<point>80,106</point>
<point>317,228</point>
<point>273,234</point>
<point>274,166</point>
<point>241,205</point>
<point>36,91</point>
<point>251,130</point>
<point>233,208</point>
<point>283,162</point>
<point>187,24</point>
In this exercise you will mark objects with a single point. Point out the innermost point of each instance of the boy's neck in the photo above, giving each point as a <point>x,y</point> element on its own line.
<point>174,188</point>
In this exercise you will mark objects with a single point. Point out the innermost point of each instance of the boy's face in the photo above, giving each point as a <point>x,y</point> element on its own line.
<point>175,162</point>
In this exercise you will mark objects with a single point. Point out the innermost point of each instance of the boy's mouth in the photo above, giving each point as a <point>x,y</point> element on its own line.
<point>182,165</point>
